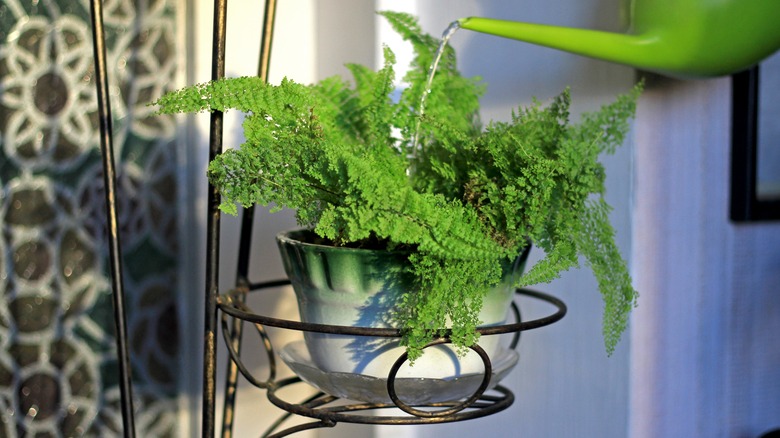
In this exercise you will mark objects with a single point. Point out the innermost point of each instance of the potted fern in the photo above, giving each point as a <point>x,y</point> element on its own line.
<point>427,217</point>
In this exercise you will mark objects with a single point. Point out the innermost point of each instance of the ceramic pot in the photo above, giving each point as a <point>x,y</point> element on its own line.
<point>359,287</point>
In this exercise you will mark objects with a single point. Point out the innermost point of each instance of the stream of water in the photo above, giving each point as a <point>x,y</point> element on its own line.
<point>445,38</point>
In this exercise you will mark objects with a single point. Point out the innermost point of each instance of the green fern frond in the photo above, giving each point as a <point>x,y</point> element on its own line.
<point>336,152</point>
<point>597,244</point>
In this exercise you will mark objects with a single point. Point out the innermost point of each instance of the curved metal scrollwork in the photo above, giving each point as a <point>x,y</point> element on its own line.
<point>228,336</point>
<point>451,410</point>
<point>242,313</point>
<point>329,410</point>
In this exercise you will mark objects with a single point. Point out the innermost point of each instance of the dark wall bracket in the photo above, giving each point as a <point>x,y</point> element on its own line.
<point>746,205</point>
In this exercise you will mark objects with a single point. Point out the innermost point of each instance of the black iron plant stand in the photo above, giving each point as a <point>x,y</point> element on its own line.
<point>230,309</point>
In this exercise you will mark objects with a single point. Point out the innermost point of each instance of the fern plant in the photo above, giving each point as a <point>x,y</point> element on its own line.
<point>465,198</point>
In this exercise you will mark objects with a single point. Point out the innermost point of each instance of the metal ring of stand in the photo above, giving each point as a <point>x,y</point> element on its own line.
<point>329,410</point>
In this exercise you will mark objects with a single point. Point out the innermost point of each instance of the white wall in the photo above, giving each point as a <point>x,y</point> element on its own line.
<point>705,351</point>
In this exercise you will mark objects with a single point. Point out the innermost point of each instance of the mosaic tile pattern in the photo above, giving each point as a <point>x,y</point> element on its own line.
<point>58,369</point>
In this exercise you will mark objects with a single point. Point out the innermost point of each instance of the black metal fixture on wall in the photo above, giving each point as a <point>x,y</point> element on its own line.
<point>755,148</point>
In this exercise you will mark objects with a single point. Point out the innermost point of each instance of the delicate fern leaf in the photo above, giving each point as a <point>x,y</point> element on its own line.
<point>597,244</point>
<point>609,126</point>
<point>562,257</point>
<point>247,94</point>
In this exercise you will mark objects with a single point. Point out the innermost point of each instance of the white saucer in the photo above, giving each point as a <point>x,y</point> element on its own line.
<point>412,391</point>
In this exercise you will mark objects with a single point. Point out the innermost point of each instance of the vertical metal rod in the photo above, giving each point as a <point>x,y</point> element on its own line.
<point>115,253</point>
<point>242,274</point>
<point>266,41</point>
<point>212,239</point>
<point>242,283</point>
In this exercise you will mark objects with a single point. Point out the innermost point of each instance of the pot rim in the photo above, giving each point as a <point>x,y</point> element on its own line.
<point>286,237</point>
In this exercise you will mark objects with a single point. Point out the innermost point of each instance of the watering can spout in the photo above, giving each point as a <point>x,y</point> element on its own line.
<point>679,38</point>
<point>636,50</point>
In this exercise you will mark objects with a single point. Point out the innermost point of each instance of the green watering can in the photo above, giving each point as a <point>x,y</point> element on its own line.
<point>681,38</point>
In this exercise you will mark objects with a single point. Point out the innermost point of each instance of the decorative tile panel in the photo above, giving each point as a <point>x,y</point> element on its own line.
<point>58,366</point>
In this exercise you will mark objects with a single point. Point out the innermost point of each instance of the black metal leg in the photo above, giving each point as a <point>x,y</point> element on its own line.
<point>212,239</point>
<point>242,272</point>
<point>242,283</point>
<point>109,177</point>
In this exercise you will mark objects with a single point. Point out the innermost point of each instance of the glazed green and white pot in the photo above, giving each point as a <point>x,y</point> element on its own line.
<point>359,287</point>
